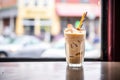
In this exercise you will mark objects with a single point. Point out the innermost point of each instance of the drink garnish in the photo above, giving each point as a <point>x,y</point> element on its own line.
<point>82,20</point>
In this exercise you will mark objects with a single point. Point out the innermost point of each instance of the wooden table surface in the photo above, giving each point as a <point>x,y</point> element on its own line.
<point>59,71</point>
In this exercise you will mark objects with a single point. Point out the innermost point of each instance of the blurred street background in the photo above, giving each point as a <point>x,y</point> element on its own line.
<point>28,28</point>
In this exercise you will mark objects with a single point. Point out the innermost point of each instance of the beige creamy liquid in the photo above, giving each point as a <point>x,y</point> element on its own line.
<point>75,47</point>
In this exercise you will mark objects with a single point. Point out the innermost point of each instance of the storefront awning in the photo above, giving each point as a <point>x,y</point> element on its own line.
<point>64,9</point>
<point>7,13</point>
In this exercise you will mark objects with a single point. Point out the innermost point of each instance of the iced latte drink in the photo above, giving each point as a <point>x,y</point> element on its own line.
<point>75,46</point>
<point>75,43</point>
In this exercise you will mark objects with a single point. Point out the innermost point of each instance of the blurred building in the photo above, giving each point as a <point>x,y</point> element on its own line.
<point>8,12</point>
<point>70,12</point>
<point>46,17</point>
<point>29,16</point>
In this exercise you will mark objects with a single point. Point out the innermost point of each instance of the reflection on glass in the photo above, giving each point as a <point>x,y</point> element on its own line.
<point>74,73</point>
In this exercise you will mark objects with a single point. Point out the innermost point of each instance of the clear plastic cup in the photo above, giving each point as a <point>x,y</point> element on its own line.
<point>75,47</point>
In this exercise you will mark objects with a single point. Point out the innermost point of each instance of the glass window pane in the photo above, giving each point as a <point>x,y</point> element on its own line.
<point>37,30</point>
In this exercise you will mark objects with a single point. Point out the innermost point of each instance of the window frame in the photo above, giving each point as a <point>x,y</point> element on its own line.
<point>104,41</point>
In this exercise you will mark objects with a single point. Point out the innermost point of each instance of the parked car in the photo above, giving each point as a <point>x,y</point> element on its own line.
<point>58,50</point>
<point>5,40</point>
<point>23,46</point>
